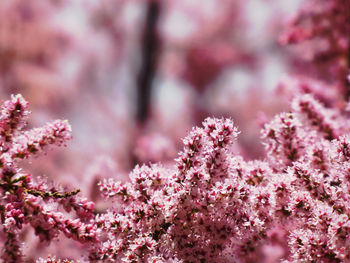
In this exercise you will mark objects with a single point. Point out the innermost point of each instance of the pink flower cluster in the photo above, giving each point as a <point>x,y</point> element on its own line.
<point>25,202</point>
<point>213,206</point>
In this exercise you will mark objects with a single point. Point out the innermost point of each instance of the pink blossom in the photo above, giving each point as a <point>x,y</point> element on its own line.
<point>24,201</point>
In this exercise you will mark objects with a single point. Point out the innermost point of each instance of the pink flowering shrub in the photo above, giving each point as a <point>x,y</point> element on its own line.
<point>213,206</point>
<point>26,201</point>
<point>215,202</point>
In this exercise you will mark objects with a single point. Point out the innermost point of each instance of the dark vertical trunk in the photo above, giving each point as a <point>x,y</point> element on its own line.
<point>150,49</point>
<point>150,45</point>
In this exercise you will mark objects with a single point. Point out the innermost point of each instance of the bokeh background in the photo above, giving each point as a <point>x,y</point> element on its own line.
<point>132,77</point>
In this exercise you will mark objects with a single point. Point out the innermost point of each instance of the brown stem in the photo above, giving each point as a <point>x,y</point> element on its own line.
<point>52,194</point>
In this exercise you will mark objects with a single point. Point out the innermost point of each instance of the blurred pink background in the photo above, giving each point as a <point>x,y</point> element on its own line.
<point>132,77</point>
